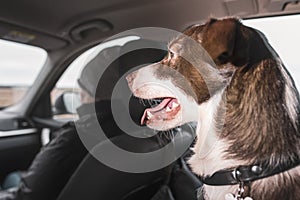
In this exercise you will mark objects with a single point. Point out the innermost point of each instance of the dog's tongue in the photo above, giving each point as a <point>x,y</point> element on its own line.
<point>167,102</point>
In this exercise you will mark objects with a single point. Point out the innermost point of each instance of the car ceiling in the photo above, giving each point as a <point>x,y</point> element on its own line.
<point>55,24</point>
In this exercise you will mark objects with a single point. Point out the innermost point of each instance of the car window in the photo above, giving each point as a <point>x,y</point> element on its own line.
<point>19,66</point>
<point>283,34</point>
<point>68,86</point>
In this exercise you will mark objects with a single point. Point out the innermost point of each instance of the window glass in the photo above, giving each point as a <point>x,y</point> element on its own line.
<point>19,66</point>
<point>283,34</point>
<point>68,86</point>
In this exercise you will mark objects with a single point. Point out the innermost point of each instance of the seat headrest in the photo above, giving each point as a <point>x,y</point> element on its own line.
<point>139,52</point>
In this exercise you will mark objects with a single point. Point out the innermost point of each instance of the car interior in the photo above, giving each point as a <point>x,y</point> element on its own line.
<point>43,47</point>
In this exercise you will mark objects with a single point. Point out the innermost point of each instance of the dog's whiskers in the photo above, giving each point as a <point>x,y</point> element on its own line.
<point>168,134</point>
<point>142,101</point>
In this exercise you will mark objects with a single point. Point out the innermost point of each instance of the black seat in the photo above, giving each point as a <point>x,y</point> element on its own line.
<point>94,180</point>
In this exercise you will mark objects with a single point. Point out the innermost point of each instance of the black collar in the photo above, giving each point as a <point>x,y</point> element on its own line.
<point>246,174</point>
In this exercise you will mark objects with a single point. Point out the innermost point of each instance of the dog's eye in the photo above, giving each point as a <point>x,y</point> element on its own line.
<point>223,57</point>
<point>171,54</point>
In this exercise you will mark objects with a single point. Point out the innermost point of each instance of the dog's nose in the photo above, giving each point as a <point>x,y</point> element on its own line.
<point>130,78</point>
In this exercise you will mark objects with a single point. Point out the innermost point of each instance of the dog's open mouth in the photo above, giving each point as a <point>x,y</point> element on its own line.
<point>162,109</point>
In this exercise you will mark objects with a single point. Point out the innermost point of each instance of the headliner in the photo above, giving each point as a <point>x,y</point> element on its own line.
<point>52,21</point>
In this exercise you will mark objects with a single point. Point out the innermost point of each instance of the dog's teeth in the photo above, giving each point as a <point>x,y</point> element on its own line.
<point>168,109</point>
<point>149,115</point>
<point>175,105</point>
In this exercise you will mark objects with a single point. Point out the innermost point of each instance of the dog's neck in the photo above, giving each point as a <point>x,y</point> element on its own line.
<point>206,130</point>
<point>255,119</point>
<point>262,108</point>
<point>210,148</point>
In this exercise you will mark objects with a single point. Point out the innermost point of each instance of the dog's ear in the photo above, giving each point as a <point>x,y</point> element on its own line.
<point>224,41</point>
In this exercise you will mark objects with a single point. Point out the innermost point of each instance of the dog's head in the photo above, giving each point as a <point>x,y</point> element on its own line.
<point>199,64</point>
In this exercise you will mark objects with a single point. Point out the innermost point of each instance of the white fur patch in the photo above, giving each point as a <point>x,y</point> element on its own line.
<point>210,150</point>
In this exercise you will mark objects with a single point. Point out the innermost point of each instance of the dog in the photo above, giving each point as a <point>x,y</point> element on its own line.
<point>246,105</point>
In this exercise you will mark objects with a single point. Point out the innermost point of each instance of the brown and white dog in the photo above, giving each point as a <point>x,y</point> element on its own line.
<point>245,102</point>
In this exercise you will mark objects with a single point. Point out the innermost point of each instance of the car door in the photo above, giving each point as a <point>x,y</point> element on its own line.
<point>20,138</point>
